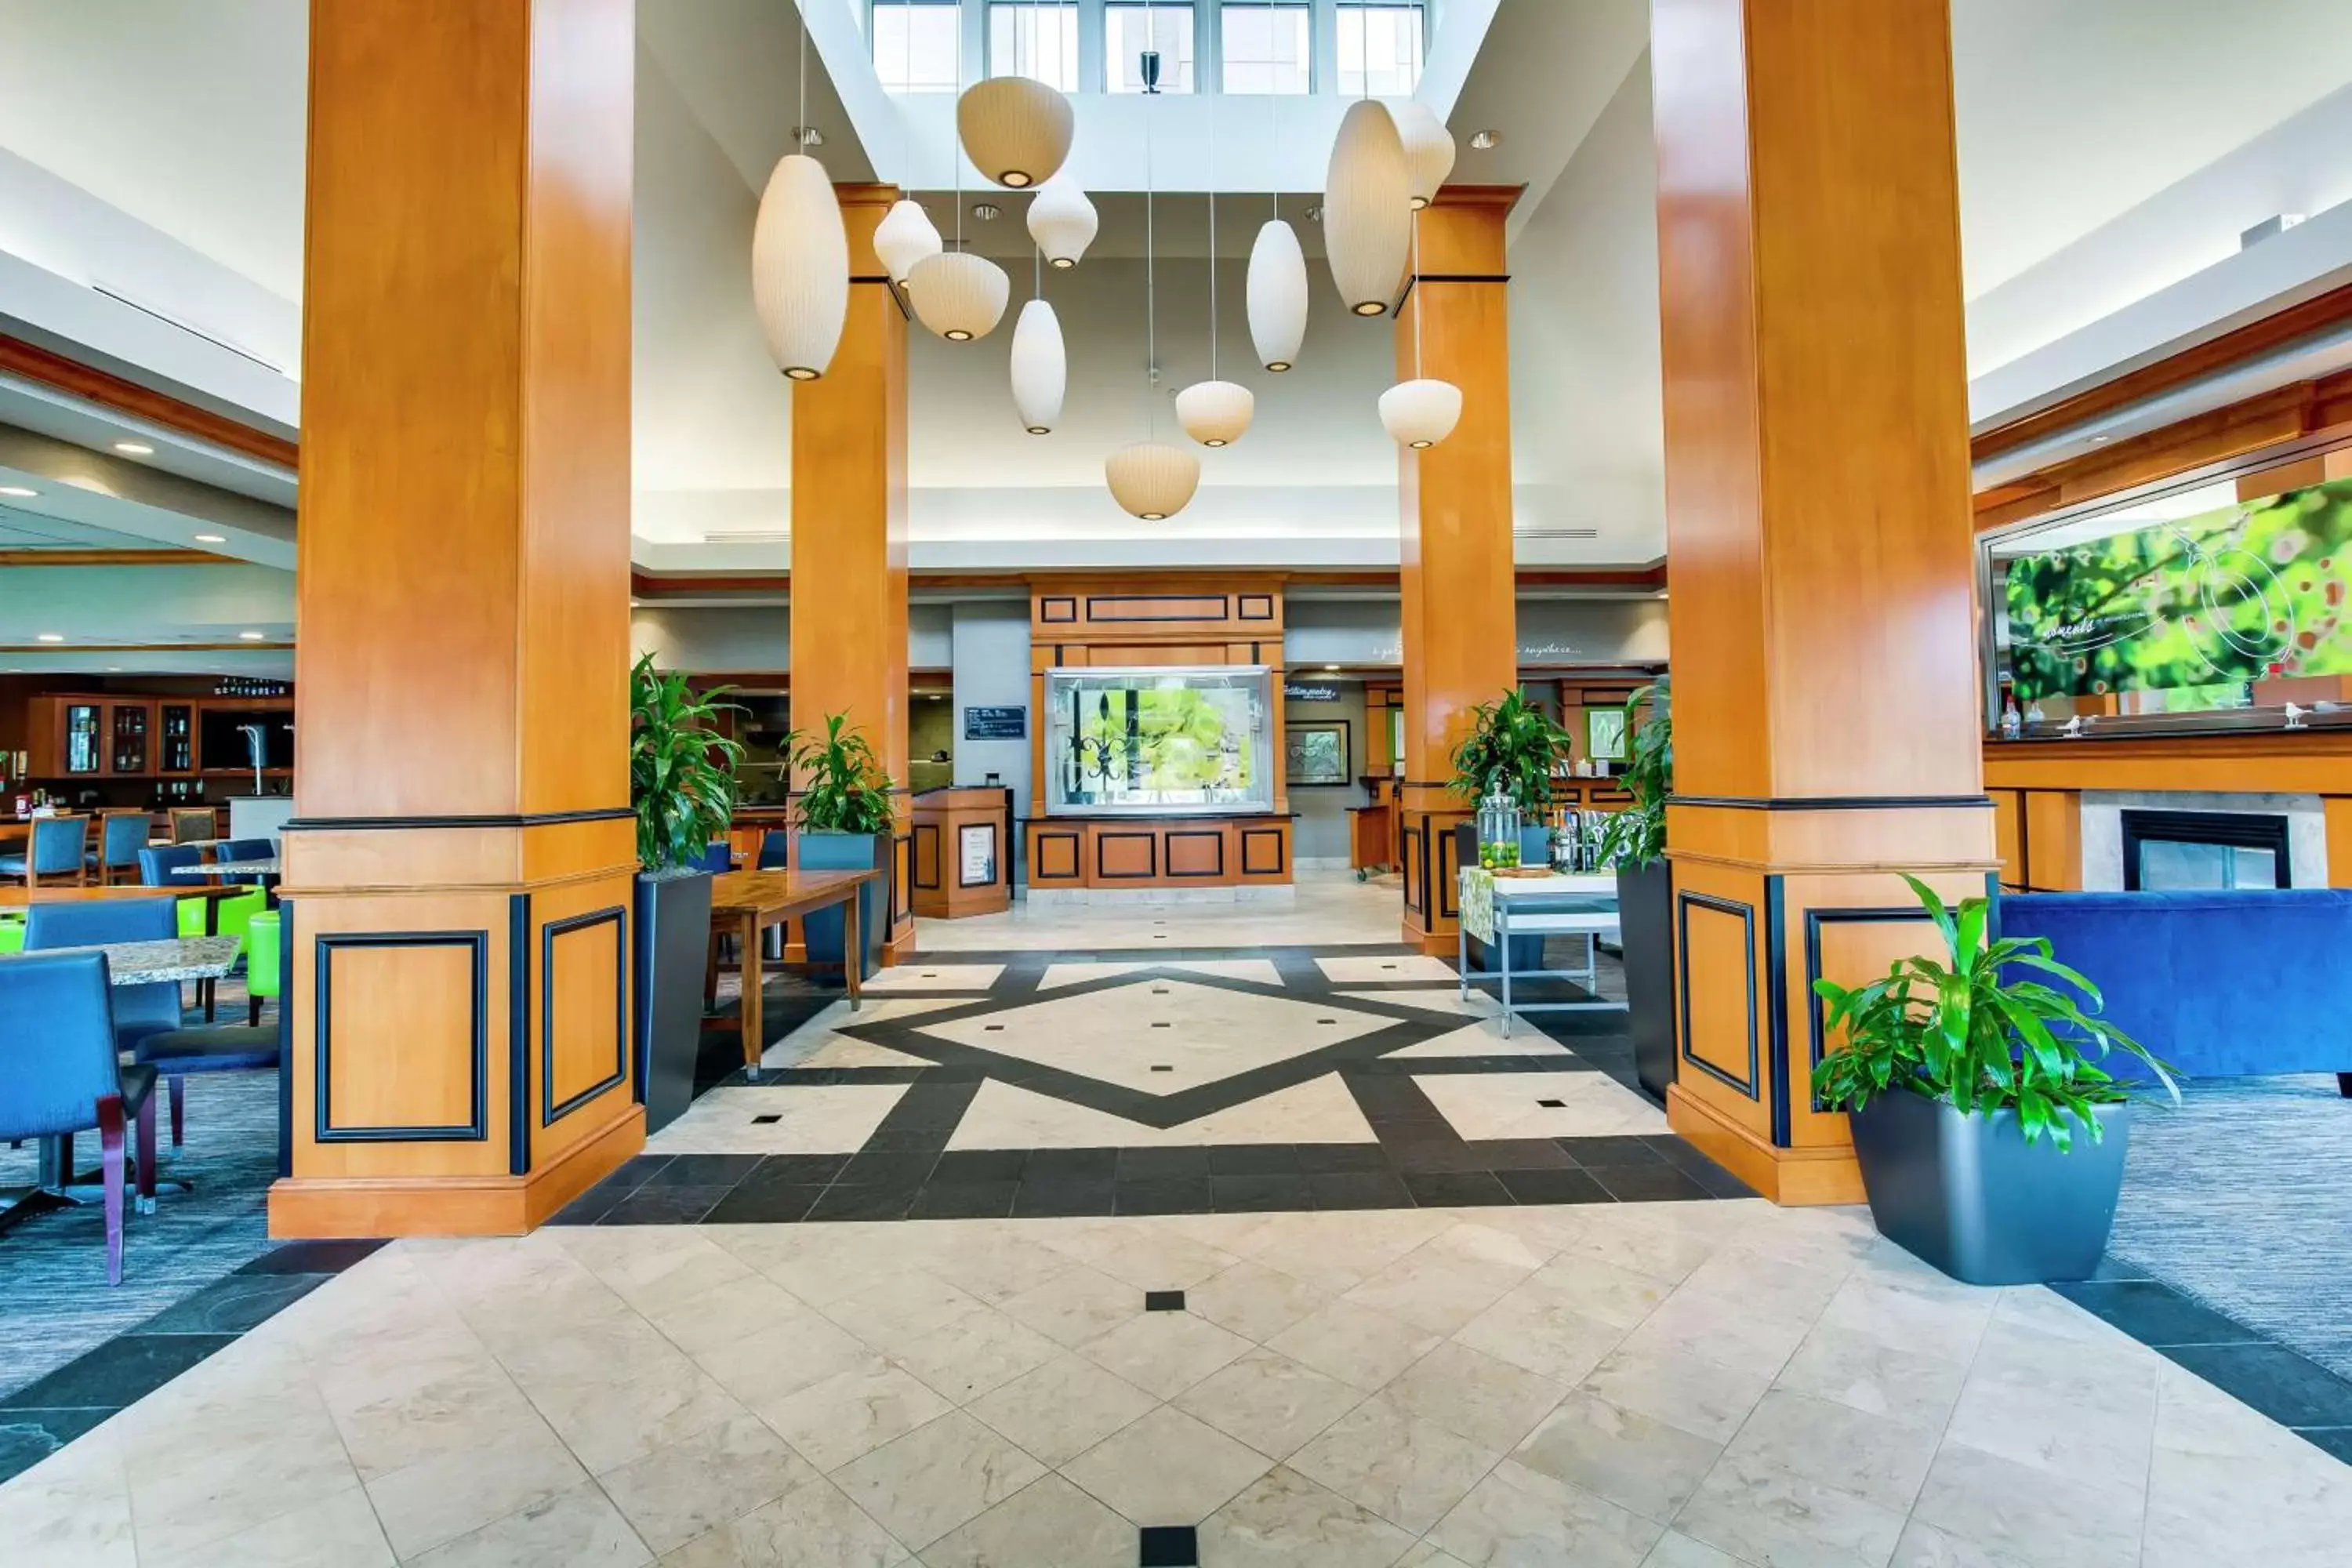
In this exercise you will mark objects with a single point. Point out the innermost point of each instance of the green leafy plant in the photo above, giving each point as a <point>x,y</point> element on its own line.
<point>1637,835</point>
<point>844,788</point>
<point>1512,749</point>
<point>681,768</point>
<point>1961,1030</point>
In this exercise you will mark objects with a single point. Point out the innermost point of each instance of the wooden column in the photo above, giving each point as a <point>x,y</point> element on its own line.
<point>459,874</point>
<point>849,533</point>
<point>1461,639</point>
<point>1826,708</point>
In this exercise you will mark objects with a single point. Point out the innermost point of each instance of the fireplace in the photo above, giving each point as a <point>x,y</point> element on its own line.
<point>2175,851</point>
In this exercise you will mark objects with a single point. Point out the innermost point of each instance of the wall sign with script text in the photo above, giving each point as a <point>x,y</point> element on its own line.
<point>1297,691</point>
<point>996,723</point>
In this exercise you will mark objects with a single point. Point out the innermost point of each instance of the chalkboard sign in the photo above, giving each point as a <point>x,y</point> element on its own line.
<point>996,723</point>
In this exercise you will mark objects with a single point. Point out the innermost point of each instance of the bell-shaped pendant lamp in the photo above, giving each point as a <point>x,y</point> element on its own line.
<point>1151,480</point>
<point>800,268</point>
<point>1016,130</point>
<point>1420,413</point>
<point>1367,209</point>
<point>959,295</point>
<point>1215,412</point>
<point>1277,294</point>
<point>1040,372</point>
<point>904,236</point>
<point>1428,149</point>
<point>1063,222</point>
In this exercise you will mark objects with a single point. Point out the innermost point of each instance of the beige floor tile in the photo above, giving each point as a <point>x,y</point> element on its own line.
<point>1049,1523</point>
<point>1911,1315</point>
<point>902,1309</point>
<point>2103,1436</point>
<point>73,1508</point>
<point>1706,1398</point>
<point>609,1423</point>
<point>1517,1516</point>
<point>460,1489</point>
<point>338,1531</point>
<point>1675,1550</point>
<point>2028,1514</point>
<point>717,1475</point>
<point>1255,1301</point>
<point>799,1349</point>
<point>1650,1241</point>
<point>937,1477</point>
<point>652,1267</point>
<point>1270,1401</point>
<point>1878,1379</point>
<point>1436,1289</point>
<point>1618,1454</point>
<point>853,1413</point>
<point>812,1524</point>
<point>1147,1254</point>
<point>1532,1327</point>
<point>1059,1410</point>
<point>1164,1354</point>
<point>1719,1328</point>
<point>1282,1519</point>
<point>577,1529</point>
<point>1354,1344</point>
<point>992,1263</point>
<point>1167,1469</point>
<point>729,1313</point>
<point>1877,1460</point>
<point>1602,1290</point>
<point>1076,1305</point>
<point>1427,1557</point>
<point>1408,1471</point>
<point>1761,1513</point>
<point>976,1353</point>
<point>1924,1546</point>
<point>1474,1395</point>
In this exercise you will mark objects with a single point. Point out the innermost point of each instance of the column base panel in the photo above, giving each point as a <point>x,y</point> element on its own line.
<point>312,1208</point>
<point>1791,1176</point>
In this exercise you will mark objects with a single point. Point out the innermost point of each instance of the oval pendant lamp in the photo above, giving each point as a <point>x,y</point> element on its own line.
<point>1063,222</point>
<point>1152,480</point>
<point>1016,129</point>
<point>1214,413</point>
<point>1277,294</point>
<point>1040,371</point>
<point>800,268</point>
<point>959,295</point>
<point>904,236</point>
<point>1367,209</point>
<point>1428,149</point>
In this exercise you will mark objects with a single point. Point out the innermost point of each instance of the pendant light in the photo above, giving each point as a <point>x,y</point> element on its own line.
<point>1428,149</point>
<point>1149,479</point>
<point>1214,413</point>
<point>1040,370</point>
<point>1017,129</point>
<point>1420,412</point>
<point>956,294</point>
<point>906,234</point>
<point>1062,221</point>
<point>1277,291</point>
<point>1367,202</point>
<point>800,260</point>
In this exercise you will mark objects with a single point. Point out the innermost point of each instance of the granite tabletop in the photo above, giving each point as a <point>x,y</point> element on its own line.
<point>230,868</point>
<point>152,962</point>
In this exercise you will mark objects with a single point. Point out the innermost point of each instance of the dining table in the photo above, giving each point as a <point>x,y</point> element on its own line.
<point>749,902</point>
<point>268,867</point>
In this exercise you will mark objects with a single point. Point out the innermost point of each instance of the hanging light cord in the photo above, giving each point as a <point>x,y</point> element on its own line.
<point>1273,107</point>
<point>955,152</point>
<point>1150,276</point>
<point>1418,304</point>
<point>800,131</point>
<point>1212,238</point>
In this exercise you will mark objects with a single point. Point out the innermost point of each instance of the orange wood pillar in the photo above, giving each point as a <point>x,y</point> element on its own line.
<point>1827,720</point>
<point>1461,637</point>
<point>460,871</point>
<point>849,534</point>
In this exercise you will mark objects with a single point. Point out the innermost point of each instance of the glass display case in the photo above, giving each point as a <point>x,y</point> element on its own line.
<point>1167,741</point>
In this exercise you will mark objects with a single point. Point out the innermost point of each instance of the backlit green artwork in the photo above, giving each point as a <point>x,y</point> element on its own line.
<point>2247,593</point>
<point>1167,739</point>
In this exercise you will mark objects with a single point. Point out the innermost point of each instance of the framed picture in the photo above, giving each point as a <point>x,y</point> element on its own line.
<point>1316,752</point>
<point>1604,734</point>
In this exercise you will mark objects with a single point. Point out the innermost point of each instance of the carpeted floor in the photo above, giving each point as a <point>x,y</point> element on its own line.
<point>2242,1198</point>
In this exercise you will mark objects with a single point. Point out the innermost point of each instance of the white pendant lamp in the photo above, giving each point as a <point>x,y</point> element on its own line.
<point>800,268</point>
<point>1367,209</point>
<point>1277,294</point>
<point>904,236</point>
<point>959,295</point>
<point>1428,149</point>
<point>1215,412</point>
<point>1152,480</point>
<point>1420,413</point>
<point>1016,129</point>
<point>1063,222</point>
<point>1040,372</point>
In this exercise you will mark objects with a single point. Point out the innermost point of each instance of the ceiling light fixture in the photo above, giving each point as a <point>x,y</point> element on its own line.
<point>1428,149</point>
<point>212,538</point>
<point>1214,412</point>
<point>1420,412</point>
<point>1040,368</point>
<point>1062,221</point>
<point>48,636</point>
<point>1367,209</point>
<point>800,258</point>
<point>808,135</point>
<point>906,234</point>
<point>1017,129</point>
<point>986,212</point>
<point>1150,479</point>
<point>18,493</point>
<point>956,294</point>
<point>1276,292</point>
<point>134,449</point>
<point>252,636</point>
<point>1486,139</point>
<point>1330,669</point>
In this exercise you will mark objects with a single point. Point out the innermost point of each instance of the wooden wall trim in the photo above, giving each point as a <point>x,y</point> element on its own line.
<point>59,373</point>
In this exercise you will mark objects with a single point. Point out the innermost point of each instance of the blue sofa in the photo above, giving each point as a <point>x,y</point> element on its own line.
<point>2222,984</point>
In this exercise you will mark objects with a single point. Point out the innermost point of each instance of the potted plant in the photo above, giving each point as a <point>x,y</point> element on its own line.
<point>1991,1142</point>
<point>1511,750</point>
<point>1633,841</point>
<point>682,783</point>
<point>846,820</point>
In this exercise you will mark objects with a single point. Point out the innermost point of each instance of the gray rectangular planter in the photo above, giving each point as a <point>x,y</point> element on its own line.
<point>673,941</point>
<point>1645,921</point>
<point>822,931</point>
<point>1970,1195</point>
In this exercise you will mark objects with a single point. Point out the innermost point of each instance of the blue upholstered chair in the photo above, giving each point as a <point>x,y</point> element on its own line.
<point>56,851</point>
<point>59,1073</point>
<point>121,835</point>
<point>719,856</point>
<point>775,848</point>
<point>139,1010</point>
<point>238,850</point>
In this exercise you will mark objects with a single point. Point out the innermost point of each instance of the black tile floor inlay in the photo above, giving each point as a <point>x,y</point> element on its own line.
<point>1163,1300</point>
<point>1170,1546</point>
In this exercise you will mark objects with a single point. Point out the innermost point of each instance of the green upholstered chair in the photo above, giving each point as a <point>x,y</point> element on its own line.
<point>12,933</point>
<point>261,977</point>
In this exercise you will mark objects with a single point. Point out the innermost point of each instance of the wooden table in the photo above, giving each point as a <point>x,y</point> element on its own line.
<point>750,901</point>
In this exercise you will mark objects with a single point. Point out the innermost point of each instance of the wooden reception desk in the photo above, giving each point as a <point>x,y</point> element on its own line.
<point>963,851</point>
<point>1146,853</point>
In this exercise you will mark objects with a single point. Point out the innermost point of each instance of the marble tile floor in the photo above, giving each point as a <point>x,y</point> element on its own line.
<point>1668,1384</point>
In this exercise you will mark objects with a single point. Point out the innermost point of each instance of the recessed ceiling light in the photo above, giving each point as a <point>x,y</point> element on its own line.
<point>134,449</point>
<point>49,636</point>
<point>809,136</point>
<point>20,491</point>
<point>2101,440</point>
<point>1332,667</point>
<point>249,636</point>
<point>1315,215</point>
<point>1482,140</point>
<point>987,212</point>
<point>114,669</point>
<point>212,538</point>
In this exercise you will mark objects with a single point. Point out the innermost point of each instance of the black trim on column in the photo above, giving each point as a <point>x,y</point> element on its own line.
<point>477,943</point>
<point>1412,850</point>
<point>510,819</point>
<point>550,1112</point>
<point>1747,913</point>
<point>286,1037</point>
<point>1776,971</point>
<point>1833,802</point>
<point>519,1034</point>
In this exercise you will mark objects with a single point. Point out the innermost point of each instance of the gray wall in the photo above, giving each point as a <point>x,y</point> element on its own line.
<point>760,637</point>
<point>1550,632</point>
<point>991,642</point>
<point>1321,832</point>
